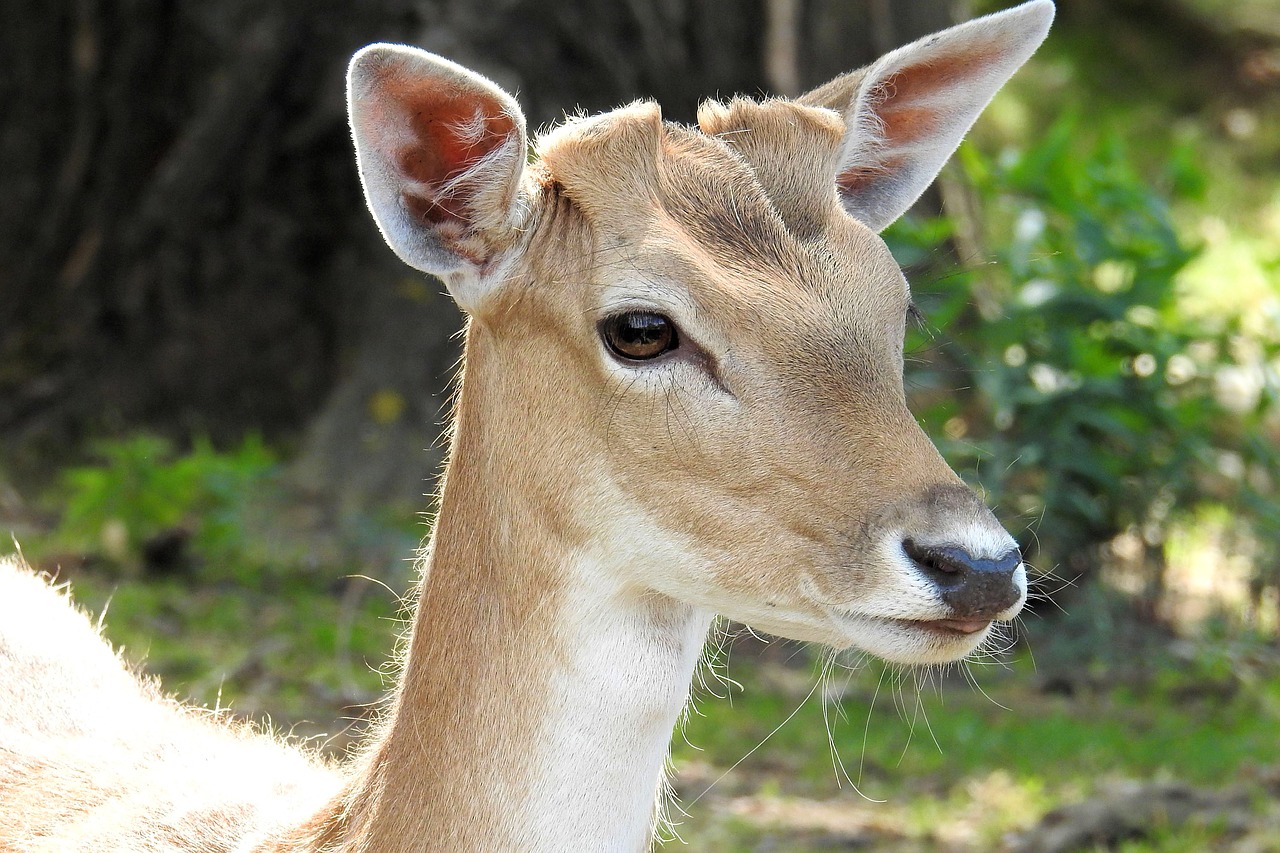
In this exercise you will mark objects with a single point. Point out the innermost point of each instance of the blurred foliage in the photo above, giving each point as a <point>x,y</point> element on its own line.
<point>143,491</point>
<point>1091,402</point>
<point>300,649</point>
<point>143,506</point>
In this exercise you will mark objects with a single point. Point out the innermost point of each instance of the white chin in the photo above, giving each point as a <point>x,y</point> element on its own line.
<point>910,642</point>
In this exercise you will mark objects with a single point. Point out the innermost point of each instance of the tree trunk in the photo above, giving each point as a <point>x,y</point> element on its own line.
<point>184,248</point>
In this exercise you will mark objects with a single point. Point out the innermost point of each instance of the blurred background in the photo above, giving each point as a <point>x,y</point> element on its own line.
<point>221,395</point>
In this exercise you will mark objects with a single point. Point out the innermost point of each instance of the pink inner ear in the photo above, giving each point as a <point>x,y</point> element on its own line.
<point>903,119</point>
<point>857,179</point>
<point>449,132</point>
<point>903,123</point>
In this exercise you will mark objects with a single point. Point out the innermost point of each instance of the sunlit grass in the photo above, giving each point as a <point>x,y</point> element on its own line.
<point>971,775</point>
<point>798,757</point>
<point>938,764</point>
<point>297,651</point>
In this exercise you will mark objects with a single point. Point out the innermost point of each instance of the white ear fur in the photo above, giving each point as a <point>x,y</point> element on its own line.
<point>441,153</point>
<point>912,107</point>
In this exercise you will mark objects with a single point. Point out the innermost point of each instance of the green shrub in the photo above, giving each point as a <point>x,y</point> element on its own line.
<point>1090,403</point>
<point>143,488</point>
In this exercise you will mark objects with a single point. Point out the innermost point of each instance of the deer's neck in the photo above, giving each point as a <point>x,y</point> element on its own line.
<point>539,694</point>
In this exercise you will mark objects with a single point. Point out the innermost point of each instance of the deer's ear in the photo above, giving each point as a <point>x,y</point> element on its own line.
<point>441,152</point>
<point>906,113</point>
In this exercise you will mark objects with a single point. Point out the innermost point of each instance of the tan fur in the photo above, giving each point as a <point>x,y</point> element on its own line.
<point>595,514</point>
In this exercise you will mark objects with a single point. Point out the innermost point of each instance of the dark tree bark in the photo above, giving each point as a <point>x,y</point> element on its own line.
<point>183,244</point>
<point>179,206</point>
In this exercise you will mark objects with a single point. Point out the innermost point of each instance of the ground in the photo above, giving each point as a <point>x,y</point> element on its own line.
<point>799,752</point>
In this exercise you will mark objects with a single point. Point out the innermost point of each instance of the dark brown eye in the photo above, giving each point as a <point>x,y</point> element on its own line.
<point>639,335</point>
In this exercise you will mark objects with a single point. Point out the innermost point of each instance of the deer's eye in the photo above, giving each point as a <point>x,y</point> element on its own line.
<point>639,335</point>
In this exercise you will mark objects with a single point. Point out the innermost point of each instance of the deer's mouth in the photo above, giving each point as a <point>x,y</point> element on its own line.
<point>911,640</point>
<point>944,630</point>
<point>961,627</point>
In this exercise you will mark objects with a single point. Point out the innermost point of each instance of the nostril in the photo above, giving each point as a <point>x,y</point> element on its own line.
<point>946,560</point>
<point>1007,563</point>
<point>977,587</point>
<point>944,565</point>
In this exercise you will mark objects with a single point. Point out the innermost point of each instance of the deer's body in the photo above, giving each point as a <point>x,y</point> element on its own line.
<point>682,396</point>
<point>92,758</point>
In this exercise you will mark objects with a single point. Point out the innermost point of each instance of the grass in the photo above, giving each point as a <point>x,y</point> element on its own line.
<point>938,764</point>
<point>309,655</point>
<point>942,765</point>
<point>791,756</point>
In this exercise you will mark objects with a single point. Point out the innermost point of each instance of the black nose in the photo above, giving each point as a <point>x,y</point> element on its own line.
<point>974,587</point>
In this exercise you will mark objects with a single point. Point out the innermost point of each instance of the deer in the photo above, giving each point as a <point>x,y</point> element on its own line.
<point>681,396</point>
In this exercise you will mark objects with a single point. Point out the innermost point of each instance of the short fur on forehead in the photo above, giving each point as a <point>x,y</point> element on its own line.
<point>757,176</point>
<point>794,151</point>
<point>607,164</point>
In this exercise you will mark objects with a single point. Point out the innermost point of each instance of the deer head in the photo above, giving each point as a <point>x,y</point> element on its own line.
<point>684,349</point>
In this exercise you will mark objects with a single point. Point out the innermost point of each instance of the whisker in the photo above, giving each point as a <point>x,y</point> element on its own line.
<point>753,749</point>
